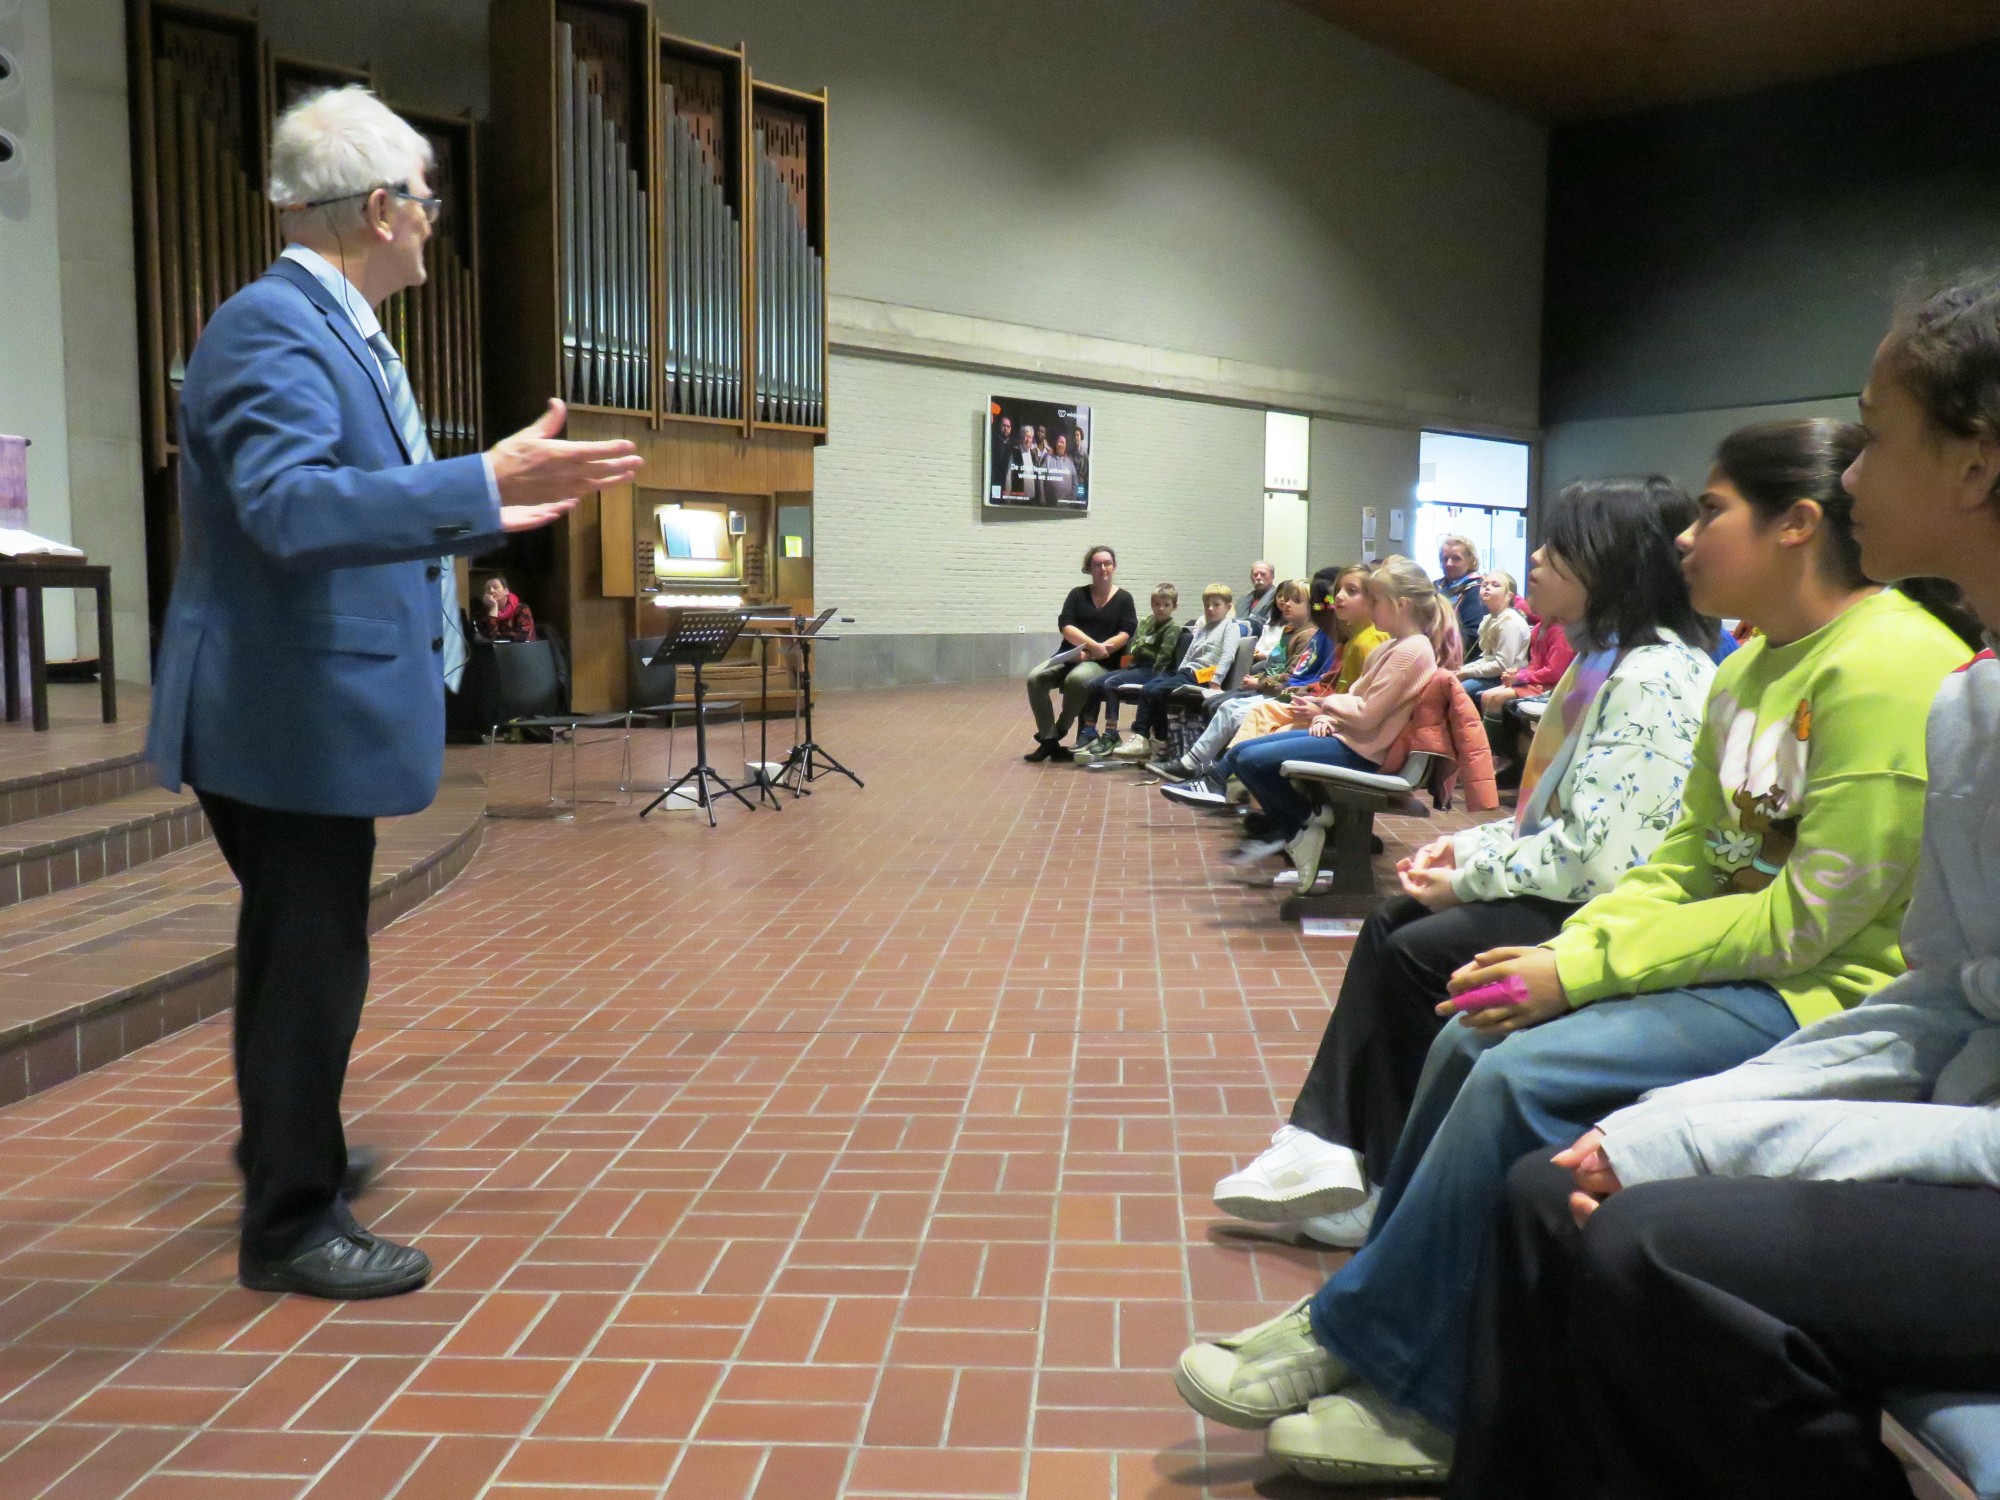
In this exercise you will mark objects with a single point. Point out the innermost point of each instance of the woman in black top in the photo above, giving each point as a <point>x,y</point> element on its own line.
<point>1097,621</point>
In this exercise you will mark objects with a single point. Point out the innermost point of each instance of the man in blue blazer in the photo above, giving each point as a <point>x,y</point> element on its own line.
<point>300,683</point>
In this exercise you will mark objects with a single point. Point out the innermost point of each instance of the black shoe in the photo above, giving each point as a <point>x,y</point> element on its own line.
<point>1044,750</point>
<point>346,1268</point>
<point>1258,825</point>
<point>364,1166</point>
<point>1059,752</point>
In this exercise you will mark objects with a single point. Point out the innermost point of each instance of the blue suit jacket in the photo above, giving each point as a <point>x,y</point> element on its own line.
<point>300,665</point>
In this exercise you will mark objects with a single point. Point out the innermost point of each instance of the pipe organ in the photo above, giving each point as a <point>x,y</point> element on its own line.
<point>791,264</point>
<point>657,251</point>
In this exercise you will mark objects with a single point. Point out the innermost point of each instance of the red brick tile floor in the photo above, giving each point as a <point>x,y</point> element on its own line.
<point>859,1149</point>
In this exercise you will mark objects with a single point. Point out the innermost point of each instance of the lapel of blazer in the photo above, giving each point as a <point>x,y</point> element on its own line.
<point>341,322</point>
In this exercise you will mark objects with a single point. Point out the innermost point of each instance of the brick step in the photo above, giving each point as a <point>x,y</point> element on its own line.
<point>48,855</point>
<point>28,792</point>
<point>99,970</point>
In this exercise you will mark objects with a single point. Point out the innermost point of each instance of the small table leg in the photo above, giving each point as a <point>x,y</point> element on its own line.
<point>107,671</point>
<point>10,648</point>
<point>38,659</point>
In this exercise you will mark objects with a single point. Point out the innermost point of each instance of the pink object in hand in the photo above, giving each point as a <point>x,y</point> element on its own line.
<point>1513,990</point>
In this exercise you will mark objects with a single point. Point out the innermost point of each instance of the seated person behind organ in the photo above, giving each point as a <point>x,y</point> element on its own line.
<point>500,615</point>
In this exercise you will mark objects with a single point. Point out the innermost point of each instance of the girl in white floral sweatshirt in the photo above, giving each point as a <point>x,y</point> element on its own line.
<point>1602,785</point>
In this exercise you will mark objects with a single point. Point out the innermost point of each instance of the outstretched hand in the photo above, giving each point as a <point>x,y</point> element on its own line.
<point>541,476</point>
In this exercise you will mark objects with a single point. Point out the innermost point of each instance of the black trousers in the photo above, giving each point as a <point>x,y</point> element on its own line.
<point>301,975</point>
<point>1372,1052</point>
<point>1720,1337</point>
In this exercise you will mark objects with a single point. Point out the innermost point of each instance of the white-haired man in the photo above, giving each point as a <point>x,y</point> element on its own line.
<point>1261,603</point>
<point>300,684</point>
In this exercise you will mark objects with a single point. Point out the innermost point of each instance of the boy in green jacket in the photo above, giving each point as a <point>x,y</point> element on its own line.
<point>1151,653</point>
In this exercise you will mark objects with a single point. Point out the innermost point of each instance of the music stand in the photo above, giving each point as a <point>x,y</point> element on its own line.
<point>698,638</point>
<point>809,759</point>
<point>777,615</point>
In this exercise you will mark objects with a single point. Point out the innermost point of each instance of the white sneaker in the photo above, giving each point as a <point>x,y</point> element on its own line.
<point>1133,748</point>
<point>1260,1374</point>
<point>1357,1437</point>
<point>1309,848</point>
<point>1344,1231</point>
<point>1298,1176</point>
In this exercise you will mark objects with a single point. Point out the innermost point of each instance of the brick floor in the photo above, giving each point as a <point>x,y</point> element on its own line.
<point>861,1149</point>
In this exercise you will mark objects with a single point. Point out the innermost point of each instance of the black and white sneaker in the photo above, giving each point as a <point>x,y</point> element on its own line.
<point>1197,793</point>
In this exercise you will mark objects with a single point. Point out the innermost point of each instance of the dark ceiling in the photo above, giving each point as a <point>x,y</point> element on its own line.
<point>1567,60</point>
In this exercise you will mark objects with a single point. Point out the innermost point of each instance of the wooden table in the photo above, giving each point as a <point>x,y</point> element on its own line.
<point>26,580</point>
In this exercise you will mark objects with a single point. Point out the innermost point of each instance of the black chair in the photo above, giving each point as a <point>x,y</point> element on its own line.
<point>652,690</point>
<point>525,693</point>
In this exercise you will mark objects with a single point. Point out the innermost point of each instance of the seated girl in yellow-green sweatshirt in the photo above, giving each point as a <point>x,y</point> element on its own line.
<point>1774,900</point>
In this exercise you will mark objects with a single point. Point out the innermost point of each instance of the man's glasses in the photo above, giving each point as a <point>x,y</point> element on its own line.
<point>432,207</point>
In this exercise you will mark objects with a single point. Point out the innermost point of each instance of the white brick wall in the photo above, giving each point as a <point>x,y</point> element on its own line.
<point>900,541</point>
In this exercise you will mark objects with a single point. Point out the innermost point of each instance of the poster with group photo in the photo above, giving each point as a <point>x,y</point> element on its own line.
<point>1037,455</point>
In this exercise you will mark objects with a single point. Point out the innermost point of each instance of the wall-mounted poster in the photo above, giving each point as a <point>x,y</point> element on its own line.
<point>1037,455</point>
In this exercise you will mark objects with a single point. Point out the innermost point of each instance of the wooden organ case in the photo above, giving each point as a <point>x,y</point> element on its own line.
<point>206,89</point>
<point>663,216</point>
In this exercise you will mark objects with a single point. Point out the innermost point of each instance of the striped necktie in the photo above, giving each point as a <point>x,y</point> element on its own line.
<point>410,423</point>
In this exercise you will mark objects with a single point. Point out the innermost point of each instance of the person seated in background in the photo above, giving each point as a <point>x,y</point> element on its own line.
<point>501,616</point>
<point>1502,642</point>
<point>1355,629</point>
<point>1098,620</point>
<point>1351,729</point>
<point>1458,581</point>
<point>1261,603</point>
<point>1710,1293</point>
<point>1148,655</point>
<point>1302,650</point>
<point>1772,902</point>
<point>1604,786</point>
<point>1503,707</point>
<point>1342,609</point>
<point>1303,658</point>
<point>1211,648</point>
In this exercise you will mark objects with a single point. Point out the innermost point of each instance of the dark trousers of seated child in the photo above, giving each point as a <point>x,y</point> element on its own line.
<point>1104,694</point>
<point>1364,1077</point>
<point>1713,1338</point>
<point>1151,720</point>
